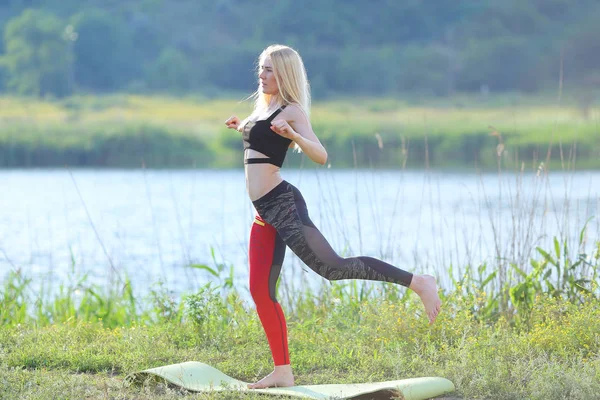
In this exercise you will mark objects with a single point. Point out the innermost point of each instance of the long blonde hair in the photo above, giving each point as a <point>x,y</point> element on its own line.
<point>291,78</point>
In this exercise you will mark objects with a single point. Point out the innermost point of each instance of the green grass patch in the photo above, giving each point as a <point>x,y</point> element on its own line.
<point>123,130</point>
<point>534,337</point>
<point>554,356</point>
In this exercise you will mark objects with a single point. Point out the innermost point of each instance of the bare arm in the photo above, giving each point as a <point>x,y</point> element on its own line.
<point>301,133</point>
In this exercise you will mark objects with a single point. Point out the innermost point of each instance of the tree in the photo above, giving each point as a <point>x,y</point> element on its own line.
<point>505,63</point>
<point>101,51</point>
<point>172,70</point>
<point>38,59</point>
<point>411,45</point>
<point>2,78</point>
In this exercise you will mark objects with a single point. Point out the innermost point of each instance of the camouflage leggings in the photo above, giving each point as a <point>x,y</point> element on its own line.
<point>285,209</point>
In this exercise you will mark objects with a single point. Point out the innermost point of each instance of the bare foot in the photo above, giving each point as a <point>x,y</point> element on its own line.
<point>426,287</point>
<point>281,376</point>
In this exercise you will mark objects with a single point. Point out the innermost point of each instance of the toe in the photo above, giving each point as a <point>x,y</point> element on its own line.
<point>256,385</point>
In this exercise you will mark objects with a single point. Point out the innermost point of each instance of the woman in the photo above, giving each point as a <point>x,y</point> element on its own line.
<point>281,120</point>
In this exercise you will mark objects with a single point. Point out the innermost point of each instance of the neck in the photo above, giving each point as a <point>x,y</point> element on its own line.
<point>274,101</point>
<point>273,105</point>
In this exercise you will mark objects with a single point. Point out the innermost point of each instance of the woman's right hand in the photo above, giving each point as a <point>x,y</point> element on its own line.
<point>233,123</point>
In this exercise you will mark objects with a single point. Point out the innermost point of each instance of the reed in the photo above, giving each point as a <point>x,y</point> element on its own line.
<point>121,130</point>
<point>561,273</point>
<point>521,324</point>
<point>83,340</point>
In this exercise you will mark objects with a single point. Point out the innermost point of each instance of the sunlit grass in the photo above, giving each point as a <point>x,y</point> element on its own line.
<point>83,340</point>
<point>446,124</point>
<point>189,110</point>
<point>532,338</point>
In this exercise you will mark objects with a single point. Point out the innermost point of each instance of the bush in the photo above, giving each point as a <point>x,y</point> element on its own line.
<point>172,70</point>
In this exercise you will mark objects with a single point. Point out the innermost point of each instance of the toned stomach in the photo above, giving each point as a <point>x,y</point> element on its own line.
<point>260,178</point>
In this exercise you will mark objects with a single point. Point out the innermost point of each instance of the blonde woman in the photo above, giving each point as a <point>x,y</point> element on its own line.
<point>280,120</point>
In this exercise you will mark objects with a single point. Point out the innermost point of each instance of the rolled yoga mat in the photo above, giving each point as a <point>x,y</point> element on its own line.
<point>199,377</point>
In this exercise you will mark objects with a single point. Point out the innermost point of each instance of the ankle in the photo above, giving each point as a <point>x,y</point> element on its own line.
<point>287,368</point>
<point>422,282</point>
<point>416,283</point>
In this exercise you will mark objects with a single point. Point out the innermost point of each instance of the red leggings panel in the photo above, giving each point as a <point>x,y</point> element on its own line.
<point>266,254</point>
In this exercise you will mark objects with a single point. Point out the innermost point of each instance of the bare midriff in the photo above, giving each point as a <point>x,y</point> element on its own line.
<point>260,178</point>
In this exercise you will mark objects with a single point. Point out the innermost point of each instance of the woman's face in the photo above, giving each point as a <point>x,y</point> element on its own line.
<point>267,81</point>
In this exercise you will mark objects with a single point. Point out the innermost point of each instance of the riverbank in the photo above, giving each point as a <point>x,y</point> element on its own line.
<point>551,354</point>
<point>529,337</point>
<point>161,132</point>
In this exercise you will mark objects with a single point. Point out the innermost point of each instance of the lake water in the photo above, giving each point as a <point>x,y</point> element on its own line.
<point>152,224</point>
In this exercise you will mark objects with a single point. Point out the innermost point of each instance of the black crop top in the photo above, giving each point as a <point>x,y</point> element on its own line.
<point>258,136</point>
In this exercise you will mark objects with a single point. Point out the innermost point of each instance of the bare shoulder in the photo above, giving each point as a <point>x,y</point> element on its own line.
<point>294,113</point>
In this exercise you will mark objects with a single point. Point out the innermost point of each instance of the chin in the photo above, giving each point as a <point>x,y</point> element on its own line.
<point>267,91</point>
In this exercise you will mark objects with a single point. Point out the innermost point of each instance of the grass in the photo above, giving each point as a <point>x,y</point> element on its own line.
<point>83,341</point>
<point>514,328</point>
<point>90,130</point>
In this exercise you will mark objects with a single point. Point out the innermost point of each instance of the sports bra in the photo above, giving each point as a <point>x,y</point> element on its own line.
<point>258,136</point>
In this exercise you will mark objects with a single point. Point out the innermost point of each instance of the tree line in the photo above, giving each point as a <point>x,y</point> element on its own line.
<point>380,47</point>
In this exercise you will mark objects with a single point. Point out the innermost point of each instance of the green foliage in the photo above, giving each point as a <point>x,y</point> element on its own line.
<point>101,50</point>
<point>506,61</point>
<point>542,344</point>
<point>373,62</point>
<point>231,67</point>
<point>208,311</point>
<point>13,300</point>
<point>552,355</point>
<point>583,44</point>
<point>121,131</point>
<point>382,46</point>
<point>171,71</point>
<point>3,74</point>
<point>131,146</point>
<point>38,59</point>
<point>557,275</point>
<point>424,68</point>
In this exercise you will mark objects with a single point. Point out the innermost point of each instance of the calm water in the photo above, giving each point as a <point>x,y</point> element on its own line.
<point>150,225</point>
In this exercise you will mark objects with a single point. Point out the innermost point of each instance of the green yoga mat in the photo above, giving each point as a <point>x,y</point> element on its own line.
<point>199,377</point>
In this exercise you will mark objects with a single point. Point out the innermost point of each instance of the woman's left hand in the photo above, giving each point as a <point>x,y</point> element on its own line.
<point>281,127</point>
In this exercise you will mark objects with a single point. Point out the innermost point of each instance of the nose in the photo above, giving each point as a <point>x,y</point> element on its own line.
<point>261,75</point>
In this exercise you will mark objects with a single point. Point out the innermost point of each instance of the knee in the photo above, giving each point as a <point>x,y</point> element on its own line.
<point>332,271</point>
<point>259,292</point>
<point>256,289</point>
